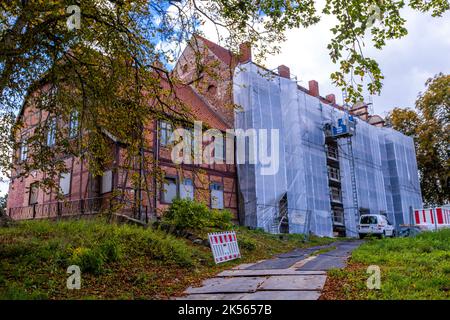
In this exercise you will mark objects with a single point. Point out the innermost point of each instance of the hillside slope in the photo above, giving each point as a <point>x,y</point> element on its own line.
<point>117,261</point>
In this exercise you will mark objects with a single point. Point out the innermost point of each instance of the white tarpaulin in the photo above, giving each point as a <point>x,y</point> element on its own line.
<point>384,160</point>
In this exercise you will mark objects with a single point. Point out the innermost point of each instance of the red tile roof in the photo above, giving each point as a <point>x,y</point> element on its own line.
<point>223,54</point>
<point>199,108</point>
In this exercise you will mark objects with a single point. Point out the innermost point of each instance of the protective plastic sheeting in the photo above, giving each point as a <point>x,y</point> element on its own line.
<point>383,161</point>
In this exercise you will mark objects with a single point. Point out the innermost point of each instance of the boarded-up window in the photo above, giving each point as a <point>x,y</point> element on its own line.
<point>33,193</point>
<point>64,183</point>
<point>187,189</point>
<point>216,196</point>
<point>169,190</point>
<point>106,182</point>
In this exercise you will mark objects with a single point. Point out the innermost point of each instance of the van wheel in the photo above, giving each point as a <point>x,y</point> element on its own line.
<point>361,235</point>
<point>383,235</point>
<point>393,234</point>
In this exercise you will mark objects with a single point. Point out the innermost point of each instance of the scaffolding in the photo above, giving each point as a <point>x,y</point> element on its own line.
<point>377,166</point>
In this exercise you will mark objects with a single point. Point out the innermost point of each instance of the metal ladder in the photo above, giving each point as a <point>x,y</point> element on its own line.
<point>353,178</point>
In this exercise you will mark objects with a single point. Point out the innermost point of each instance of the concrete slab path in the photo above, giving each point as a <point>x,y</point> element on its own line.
<point>296,275</point>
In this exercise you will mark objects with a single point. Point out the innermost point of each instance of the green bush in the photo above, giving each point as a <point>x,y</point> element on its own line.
<point>247,243</point>
<point>188,214</point>
<point>168,249</point>
<point>87,259</point>
<point>221,219</point>
<point>111,250</point>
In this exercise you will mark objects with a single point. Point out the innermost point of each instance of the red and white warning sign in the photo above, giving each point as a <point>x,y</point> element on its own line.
<point>224,246</point>
<point>438,217</point>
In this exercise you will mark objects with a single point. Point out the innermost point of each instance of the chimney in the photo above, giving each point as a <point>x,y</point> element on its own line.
<point>361,110</point>
<point>331,97</point>
<point>245,52</point>
<point>284,72</point>
<point>313,88</point>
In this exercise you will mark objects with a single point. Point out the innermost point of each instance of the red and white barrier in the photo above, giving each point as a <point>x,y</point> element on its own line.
<point>224,246</point>
<point>432,217</point>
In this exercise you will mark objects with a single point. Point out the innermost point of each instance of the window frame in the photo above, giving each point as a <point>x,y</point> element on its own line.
<point>23,155</point>
<point>182,184</point>
<point>165,133</point>
<point>74,119</point>
<point>69,191</point>
<point>224,150</point>
<point>332,153</point>
<point>112,182</point>
<point>221,186</point>
<point>51,133</point>
<point>334,190</point>
<point>33,186</point>
<point>163,191</point>
<point>333,174</point>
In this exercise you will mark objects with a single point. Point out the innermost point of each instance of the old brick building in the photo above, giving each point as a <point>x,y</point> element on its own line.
<point>210,101</point>
<point>211,97</point>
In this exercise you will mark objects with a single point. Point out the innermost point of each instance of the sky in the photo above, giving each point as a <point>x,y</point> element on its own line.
<point>406,63</point>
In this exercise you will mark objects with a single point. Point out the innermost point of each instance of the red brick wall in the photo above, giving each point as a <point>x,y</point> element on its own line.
<point>213,106</point>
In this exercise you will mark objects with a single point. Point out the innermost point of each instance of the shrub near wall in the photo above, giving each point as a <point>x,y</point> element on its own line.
<point>185,214</point>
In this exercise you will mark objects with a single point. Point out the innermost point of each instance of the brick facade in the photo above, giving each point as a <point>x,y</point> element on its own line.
<point>210,101</point>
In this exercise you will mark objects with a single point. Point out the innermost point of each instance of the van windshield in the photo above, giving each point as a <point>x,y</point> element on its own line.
<point>368,220</point>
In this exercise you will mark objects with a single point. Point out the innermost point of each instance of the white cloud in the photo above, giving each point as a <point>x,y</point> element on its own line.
<point>405,63</point>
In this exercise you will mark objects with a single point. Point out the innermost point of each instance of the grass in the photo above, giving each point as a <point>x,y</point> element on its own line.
<point>117,261</point>
<point>411,268</point>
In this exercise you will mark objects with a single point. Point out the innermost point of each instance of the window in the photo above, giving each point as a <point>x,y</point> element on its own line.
<point>189,139</point>
<point>187,189</point>
<point>64,183</point>
<point>335,194</point>
<point>169,190</point>
<point>333,173</point>
<point>73,124</point>
<point>216,196</point>
<point>368,220</point>
<point>107,181</point>
<point>51,134</point>
<point>165,133</point>
<point>219,148</point>
<point>33,193</point>
<point>23,151</point>
<point>212,89</point>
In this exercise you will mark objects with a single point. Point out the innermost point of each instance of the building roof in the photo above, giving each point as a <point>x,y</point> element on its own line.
<point>199,108</point>
<point>220,52</point>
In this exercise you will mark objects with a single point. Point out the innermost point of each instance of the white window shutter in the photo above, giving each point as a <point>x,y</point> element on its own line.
<point>107,181</point>
<point>170,190</point>
<point>64,183</point>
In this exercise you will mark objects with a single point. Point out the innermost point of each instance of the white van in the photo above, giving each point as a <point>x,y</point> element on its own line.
<point>375,224</point>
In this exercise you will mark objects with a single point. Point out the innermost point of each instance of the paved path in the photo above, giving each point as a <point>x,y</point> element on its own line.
<point>296,275</point>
